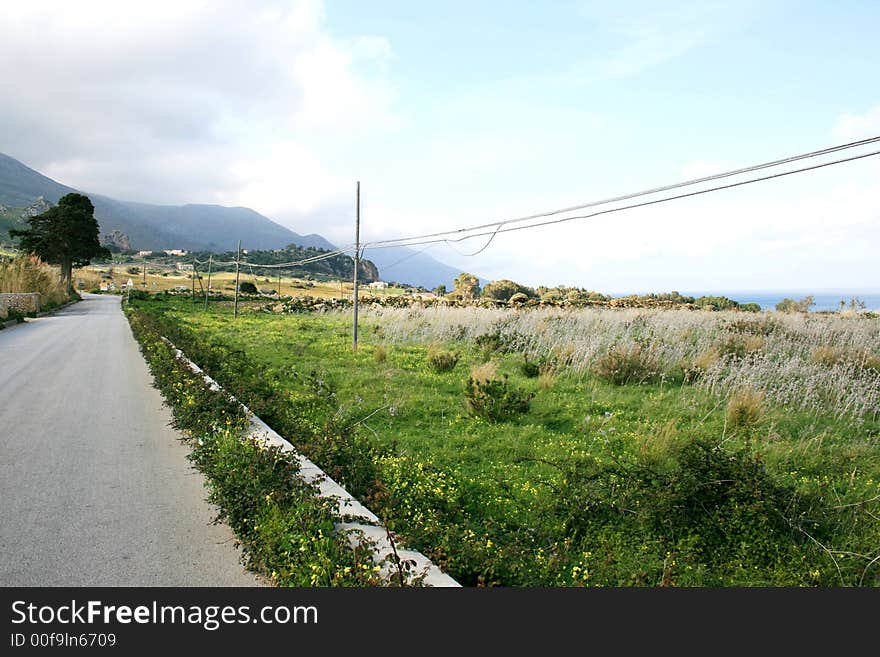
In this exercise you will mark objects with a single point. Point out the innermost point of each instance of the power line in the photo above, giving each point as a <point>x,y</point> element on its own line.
<point>499,226</point>
<point>417,239</point>
<point>405,258</point>
<point>277,265</point>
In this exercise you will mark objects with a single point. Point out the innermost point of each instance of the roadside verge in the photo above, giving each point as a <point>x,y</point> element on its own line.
<point>295,523</point>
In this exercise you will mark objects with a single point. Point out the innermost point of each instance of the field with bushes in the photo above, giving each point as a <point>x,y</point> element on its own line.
<point>161,278</point>
<point>551,447</point>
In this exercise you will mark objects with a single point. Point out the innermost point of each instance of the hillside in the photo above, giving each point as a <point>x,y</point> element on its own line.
<point>199,227</point>
<point>149,226</point>
<point>405,265</point>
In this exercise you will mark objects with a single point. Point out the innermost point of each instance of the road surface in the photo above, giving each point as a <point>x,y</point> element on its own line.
<point>95,487</point>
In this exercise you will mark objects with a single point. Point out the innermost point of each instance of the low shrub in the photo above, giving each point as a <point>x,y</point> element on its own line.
<point>529,369</point>
<point>248,288</point>
<point>702,363</point>
<point>744,408</point>
<point>442,361</point>
<point>763,325</point>
<point>827,355</point>
<point>495,399</point>
<point>286,529</point>
<point>488,344</point>
<point>547,379</point>
<point>380,354</point>
<point>687,512</point>
<point>739,346</point>
<point>623,365</point>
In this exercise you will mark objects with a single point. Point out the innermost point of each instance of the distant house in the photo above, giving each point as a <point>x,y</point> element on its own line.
<point>182,266</point>
<point>378,285</point>
<point>144,253</point>
<point>175,252</point>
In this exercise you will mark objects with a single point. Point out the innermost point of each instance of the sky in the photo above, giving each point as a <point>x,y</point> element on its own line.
<point>460,113</point>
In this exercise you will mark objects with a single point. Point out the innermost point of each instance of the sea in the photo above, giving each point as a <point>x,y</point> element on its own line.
<point>824,299</point>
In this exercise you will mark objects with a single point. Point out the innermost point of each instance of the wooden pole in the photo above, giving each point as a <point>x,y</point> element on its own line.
<point>237,267</point>
<point>357,247</point>
<point>194,281</point>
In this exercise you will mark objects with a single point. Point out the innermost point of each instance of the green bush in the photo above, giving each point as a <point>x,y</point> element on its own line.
<point>504,289</point>
<point>248,288</point>
<point>442,361</point>
<point>286,529</point>
<point>495,399</point>
<point>791,306</point>
<point>715,303</point>
<point>529,369</point>
<point>623,365</point>
<point>709,517</point>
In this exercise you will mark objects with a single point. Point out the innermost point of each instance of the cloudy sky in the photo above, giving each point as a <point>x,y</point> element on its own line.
<point>459,113</point>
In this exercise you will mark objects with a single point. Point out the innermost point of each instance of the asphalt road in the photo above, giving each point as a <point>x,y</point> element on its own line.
<point>95,487</point>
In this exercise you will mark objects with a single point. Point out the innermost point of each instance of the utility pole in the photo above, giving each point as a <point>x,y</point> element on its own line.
<point>208,289</point>
<point>237,259</point>
<point>145,272</point>
<point>357,248</point>
<point>194,281</point>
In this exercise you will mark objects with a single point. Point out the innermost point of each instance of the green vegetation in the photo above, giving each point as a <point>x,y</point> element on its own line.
<point>286,531</point>
<point>761,468</point>
<point>442,361</point>
<point>791,306</point>
<point>466,286</point>
<point>10,218</point>
<point>504,289</point>
<point>66,235</point>
<point>248,288</point>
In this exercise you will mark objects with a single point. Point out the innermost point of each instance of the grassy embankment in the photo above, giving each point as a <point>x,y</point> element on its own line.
<point>22,273</point>
<point>659,448</point>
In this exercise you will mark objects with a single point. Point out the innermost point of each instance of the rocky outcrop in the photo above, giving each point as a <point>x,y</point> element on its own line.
<point>116,238</point>
<point>368,272</point>
<point>37,207</point>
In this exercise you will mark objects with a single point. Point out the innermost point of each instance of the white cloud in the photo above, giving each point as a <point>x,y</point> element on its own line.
<point>188,101</point>
<point>858,126</point>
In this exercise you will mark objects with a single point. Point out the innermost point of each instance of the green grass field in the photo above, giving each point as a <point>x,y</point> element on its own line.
<point>662,482</point>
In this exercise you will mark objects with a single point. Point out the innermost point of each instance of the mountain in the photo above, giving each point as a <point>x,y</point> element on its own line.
<point>148,226</point>
<point>204,227</point>
<point>405,265</point>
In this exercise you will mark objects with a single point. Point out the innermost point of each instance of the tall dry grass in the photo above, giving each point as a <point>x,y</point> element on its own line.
<point>27,273</point>
<point>785,357</point>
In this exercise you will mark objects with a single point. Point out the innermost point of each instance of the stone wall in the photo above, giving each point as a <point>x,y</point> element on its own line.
<point>22,303</point>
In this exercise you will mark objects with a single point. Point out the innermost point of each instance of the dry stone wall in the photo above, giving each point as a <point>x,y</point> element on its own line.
<point>22,303</point>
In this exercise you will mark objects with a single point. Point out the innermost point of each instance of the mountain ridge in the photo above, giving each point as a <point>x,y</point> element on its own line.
<point>203,226</point>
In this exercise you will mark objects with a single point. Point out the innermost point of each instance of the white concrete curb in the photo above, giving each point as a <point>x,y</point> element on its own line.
<point>360,524</point>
